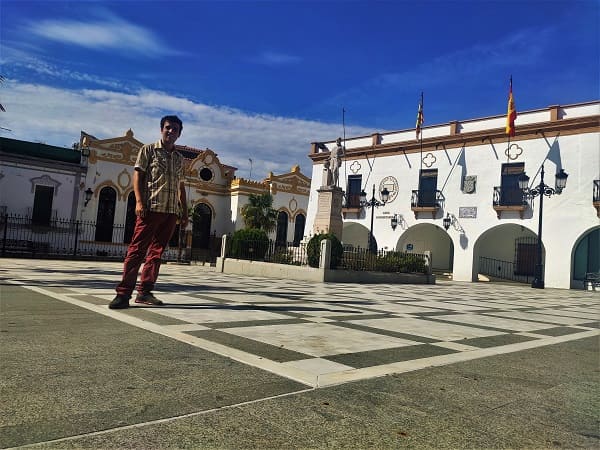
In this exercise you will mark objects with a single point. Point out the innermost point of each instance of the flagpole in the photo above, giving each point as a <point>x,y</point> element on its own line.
<point>421,133</point>
<point>344,141</point>
<point>508,148</point>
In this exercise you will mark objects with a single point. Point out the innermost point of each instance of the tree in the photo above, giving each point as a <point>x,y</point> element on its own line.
<point>259,212</point>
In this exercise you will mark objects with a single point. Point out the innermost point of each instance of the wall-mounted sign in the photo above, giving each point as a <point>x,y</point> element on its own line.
<point>409,247</point>
<point>467,212</point>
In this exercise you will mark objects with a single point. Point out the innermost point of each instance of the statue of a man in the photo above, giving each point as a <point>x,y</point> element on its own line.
<point>335,161</point>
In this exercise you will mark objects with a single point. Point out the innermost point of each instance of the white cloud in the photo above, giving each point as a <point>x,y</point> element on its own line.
<point>106,33</point>
<point>56,116</point>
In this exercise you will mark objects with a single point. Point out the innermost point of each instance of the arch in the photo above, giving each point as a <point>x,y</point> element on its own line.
<point>299,225</point>
<point>429,237</point>
<point>108,183</point>
<point>506,251</point>
<point>282,227</point>
<point>129,218</point>
<point>355,235</point>
<point>105,216</point>
<point>585,256</point>
<point>201,225</point>
<point>298,212</point>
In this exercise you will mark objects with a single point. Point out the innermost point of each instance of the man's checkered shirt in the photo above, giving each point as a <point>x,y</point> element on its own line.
<point>164,171</point>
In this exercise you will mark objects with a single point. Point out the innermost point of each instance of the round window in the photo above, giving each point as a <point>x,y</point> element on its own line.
<point>206,174</point>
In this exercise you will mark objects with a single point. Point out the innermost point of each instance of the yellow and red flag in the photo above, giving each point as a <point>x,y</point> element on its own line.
<point>420,118</point>
<point>511,114</point>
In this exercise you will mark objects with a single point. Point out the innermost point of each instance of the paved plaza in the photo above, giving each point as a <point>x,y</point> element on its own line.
<point>271,342</point>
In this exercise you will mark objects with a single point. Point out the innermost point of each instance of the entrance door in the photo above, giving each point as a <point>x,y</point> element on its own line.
<point>427,187</point>
<point>511,193</point>
<point>106,214</point>
<point>201,227</point>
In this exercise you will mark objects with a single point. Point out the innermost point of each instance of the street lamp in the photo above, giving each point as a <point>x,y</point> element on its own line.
<point>88,196</point>
<point>541,190</point>
<point>373,203</point>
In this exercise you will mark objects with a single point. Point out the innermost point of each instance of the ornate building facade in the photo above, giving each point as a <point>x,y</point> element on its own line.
<point>456,192</point>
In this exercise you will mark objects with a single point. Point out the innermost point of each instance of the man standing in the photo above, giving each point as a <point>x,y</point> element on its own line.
<point>159,198</point>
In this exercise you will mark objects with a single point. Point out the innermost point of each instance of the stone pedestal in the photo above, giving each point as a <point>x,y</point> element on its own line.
<point>329,211</point>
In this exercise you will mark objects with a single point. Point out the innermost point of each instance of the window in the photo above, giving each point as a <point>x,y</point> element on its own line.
<point>206,174</point>
<point>510,192</point>
<point>353,193</point>
<point>129,218</point>
<point>282,228</point>
<point>106,214</point>
<point>427,188</point>
<point>42,205</point>
<point>299,229</point>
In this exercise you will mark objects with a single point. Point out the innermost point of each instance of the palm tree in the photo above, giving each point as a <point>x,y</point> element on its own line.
<point>259,212</point>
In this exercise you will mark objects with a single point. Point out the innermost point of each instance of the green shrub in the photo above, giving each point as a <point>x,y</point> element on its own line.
<point>249,243</point>
<point>400,262</point>
<point>313,250</point>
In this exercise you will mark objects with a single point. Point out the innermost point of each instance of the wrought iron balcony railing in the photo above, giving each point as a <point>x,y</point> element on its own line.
<point>509,199</point>
<point>426,199</point>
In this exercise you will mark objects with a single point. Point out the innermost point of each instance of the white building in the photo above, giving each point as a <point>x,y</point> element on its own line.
<point>93,184</point>
<point>468,172</point>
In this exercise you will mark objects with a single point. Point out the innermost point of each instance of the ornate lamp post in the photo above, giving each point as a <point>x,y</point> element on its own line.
<point>541,190</point>
<point>88,196</point>
<point>373,203</point>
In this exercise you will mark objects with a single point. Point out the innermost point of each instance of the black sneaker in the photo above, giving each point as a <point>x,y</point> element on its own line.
<point>148,299</point>
<point>119,302</point>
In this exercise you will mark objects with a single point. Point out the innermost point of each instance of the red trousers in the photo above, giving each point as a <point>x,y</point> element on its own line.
<point>150,237</point>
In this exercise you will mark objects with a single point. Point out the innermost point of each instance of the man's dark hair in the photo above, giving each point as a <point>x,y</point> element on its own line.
<point>172,119</point>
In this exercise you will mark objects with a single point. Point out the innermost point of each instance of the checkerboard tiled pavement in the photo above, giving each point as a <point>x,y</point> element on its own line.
<point>320,333</point>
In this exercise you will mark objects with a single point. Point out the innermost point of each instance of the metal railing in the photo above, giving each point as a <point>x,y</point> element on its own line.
<point>509,197</point>
<point>76,239</point>
<point>357,258</point>
<point>426,199</point>
<point>505,270</point>
<point>268,251</point>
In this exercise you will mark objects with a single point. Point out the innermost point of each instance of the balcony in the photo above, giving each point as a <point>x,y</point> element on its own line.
<point>596,196</point>
<point>426,201</point>
<point>351,204</point>
<point>509,199</point>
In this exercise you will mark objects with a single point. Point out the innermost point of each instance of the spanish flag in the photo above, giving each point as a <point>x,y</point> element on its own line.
<point>420,118</point>
<point>511,114</point>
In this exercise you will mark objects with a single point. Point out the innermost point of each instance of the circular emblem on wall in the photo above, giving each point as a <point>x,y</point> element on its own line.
<point>293,205</point>
<point>124,179</point>
<point>392,185</point>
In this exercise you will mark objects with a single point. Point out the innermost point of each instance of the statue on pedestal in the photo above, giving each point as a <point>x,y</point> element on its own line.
<point>332,165</point>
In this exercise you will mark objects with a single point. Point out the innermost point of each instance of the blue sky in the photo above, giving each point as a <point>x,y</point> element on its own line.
<point>263,79</point>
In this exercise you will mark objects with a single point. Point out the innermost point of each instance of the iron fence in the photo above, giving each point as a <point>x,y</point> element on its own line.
<point>356,258</point>
<point>67,238</point>
<point>505,270</point>
<point>268,251</point>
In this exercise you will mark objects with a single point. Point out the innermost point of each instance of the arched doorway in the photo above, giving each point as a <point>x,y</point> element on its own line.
<point>282,229</point>
<point>129,218</point>
<point>505,252</point>
<point>355,235</point>
<point>201,223</point>
<point>586,256</point>
<point>106,214</point>
<point>300,222</point>
<point>428,237</point>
